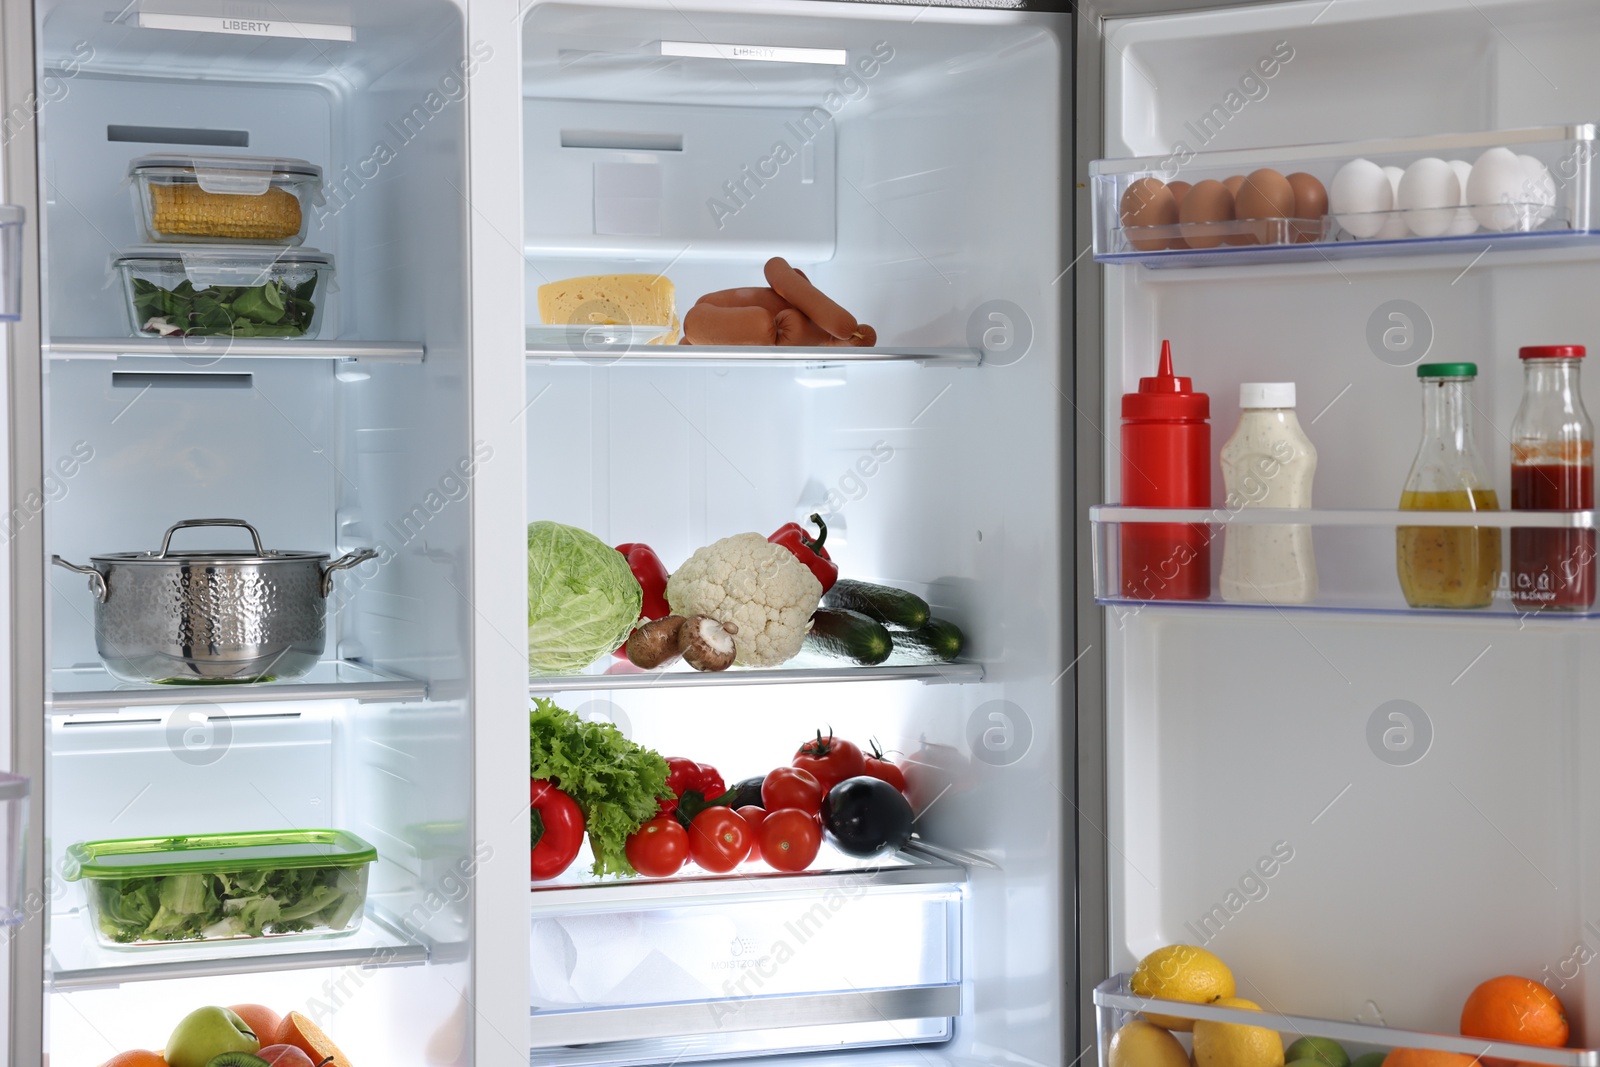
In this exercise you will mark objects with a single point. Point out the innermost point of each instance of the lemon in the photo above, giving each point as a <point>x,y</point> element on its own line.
<point>1234,1044</point>
<point>1181,972</point>
<point>1139,1044</point>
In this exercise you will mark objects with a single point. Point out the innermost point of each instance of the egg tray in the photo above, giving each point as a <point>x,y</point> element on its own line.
<point>1530,208</point>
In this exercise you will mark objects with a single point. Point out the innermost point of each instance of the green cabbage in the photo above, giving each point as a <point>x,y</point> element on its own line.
<point>583,600</point>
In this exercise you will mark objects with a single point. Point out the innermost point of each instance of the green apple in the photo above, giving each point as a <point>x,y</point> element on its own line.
<point>208,1032</point>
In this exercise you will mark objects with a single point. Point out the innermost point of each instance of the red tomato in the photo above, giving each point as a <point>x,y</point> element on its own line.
<point>830,760</point>
<point>658,848</point>
<point>879,767</point>
<point>719,840</point>
<point>789,839</point>
<point>791,787</point>
<point>753,817</point>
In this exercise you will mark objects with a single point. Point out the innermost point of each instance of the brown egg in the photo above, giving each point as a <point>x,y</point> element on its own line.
<point>1266,194</point>
<point>1310,204</point>
<point>1234,184</point>
<point>1149,202</point>
<point>1179,191</point>
<point>1207,201</point>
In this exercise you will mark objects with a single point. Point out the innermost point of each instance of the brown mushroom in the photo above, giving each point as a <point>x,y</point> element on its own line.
<point>655,644</point>
<point>706,644</point>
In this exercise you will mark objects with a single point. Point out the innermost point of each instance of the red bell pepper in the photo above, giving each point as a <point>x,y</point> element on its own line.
<point>694,786</point>
<point>652,575</point>
<point>556,829</point>
<point>797,539</point>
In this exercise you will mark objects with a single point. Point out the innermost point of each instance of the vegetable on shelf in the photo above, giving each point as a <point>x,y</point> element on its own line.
<point>798,540</point>
<point>692,786</point>
<point>659,848</point>
<point>617,784</point>
<point>890,606</point>
<point>935,641</point>
<point>556,830</point>
<point>655,644</point>
<point>272,309</point>
<point>207,906</point>
<point>759,587</point>
<point>830,760</point>
<point>882,768</point>
<point>719,840</point>
<point>706,644</point>
<point>583,599</point>
<point>652,575</point>
<point>849,635</point>
<point>865,817</point>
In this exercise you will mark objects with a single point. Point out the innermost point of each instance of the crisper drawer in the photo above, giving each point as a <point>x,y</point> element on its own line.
<point>749,962</point>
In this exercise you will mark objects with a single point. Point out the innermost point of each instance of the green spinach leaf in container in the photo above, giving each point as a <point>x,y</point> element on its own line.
<point>175,291</point>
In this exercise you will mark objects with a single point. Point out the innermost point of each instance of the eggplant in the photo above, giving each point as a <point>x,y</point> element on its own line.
<point>747,793</point>
<point>866,817</point>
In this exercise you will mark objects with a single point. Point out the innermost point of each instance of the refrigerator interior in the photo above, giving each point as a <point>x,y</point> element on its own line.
<point>1236,736</point>
<point>320,452</point>
<point>929,186</point>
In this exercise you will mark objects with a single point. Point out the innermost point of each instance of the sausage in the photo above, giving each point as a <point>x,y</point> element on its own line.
<point>707,324</point>
<point>795,329</point>
<point>798,290</point>
<point>761,297</point>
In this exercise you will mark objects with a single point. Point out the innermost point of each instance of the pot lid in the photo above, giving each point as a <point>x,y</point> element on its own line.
<point>165,553</point>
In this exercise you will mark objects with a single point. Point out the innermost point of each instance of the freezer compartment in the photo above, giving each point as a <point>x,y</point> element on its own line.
<point>1523,188</point>
<point>714,958</point>
<point>1519,564</point>
<point>1116,1006</point>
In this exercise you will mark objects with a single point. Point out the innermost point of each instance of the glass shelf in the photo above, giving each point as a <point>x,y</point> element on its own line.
<point>90,686</point>
<point>611,673</point>
<point>1355,553</point>
<point>601,355</point>
<point>78,962</point>
<point>1115,1006</point>
<point>1527,206</point>
<point>204,350</point>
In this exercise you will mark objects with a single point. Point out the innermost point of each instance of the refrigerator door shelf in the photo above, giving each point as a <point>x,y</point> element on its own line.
<point>1115,1006</point>
<point>1355,557</point>
<point>1512,189</point>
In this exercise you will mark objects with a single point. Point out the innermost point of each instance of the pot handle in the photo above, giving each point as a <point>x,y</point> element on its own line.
<point>345,562</point>
<point>175,527</point>
<point>97,581</point>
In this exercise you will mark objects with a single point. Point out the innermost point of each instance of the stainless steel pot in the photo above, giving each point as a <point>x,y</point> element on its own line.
<point>192,618</point>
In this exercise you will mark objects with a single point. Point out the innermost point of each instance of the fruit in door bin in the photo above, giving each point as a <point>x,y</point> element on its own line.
<point>1142,1044</point>
<point>262,1021</point>
<point>285,1056</point>
<point>1323,1050</point>
<point>719,840</point>
<point>206,1033</point>
<point>659,848</point>
<point>790,839</point>
<point>1235,1044</point>
<point>136,1058</point>
<point>306,1036</point>
<point>1180,972</point>
<point>830,760</point>
<point>1427,1057</point>
<point>1509,1008</point>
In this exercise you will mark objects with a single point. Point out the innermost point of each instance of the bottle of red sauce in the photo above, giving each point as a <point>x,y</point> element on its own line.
<point>1166,463</point>
<point>1552,469</point>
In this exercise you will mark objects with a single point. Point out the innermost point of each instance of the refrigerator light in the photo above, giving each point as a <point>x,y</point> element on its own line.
<point>764,53</point>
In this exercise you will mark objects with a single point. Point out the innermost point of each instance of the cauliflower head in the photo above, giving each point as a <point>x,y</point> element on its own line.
<point>756,585</point>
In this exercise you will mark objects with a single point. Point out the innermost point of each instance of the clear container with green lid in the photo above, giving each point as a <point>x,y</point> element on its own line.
<point>218,887</point>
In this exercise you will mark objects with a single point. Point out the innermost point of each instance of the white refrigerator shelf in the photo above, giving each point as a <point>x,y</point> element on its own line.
<point>1115,1005</point>
<point>84,688</point>
<point>606,354</point>
<point>617,674</point>
<point>205,350</point>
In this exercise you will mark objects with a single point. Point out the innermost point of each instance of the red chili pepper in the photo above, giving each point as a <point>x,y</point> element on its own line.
<point>557,829</point>
<point>652,575</point>
<point>797,539</point>
<point>694,786</point>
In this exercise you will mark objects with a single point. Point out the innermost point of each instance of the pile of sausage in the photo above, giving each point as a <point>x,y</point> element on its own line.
<point>791,312</point>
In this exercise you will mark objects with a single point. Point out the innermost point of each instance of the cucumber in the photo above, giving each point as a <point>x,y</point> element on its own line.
<point>848,635</point>
<point>890,606</point>
<point>936,641</point>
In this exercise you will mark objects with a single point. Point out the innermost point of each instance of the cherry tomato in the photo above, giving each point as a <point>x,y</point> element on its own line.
<point>791,787</point>
<point>830,760</point>
<point>879,767</point>
<point>719,840</point>
<point>789,839</point>
<point>658,848</point>
<point>753,816</point>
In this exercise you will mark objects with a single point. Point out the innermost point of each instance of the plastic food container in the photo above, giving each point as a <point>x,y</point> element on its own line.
<point>220,887</point>
<point>261,200</point>
<point>196,291</point>
<point>10,262</point>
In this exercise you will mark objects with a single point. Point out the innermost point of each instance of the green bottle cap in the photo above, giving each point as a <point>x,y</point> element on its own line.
<point>1447,370</point>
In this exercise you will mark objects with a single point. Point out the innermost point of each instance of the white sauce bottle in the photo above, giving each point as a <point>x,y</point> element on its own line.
<point>1268,463</point>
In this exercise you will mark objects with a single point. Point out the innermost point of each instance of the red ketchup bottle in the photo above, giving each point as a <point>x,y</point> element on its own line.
<point>1166,463</point>
<point>1552,469</point>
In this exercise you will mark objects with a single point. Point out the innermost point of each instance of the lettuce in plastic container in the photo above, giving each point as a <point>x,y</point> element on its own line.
<point>583,601</point>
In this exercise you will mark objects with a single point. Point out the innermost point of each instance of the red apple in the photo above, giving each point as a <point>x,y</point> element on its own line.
<point>285,1056</point>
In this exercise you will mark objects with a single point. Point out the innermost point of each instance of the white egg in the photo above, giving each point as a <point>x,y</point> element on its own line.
<point>1359,189</point>
<point>1429,194</point>
<point>1540,189</point>
<point>1394,224</point>
<point>1495,190</point>
<point>1463,223</point>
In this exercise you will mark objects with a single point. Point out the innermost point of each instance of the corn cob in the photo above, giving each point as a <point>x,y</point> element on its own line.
<point>187,209</point>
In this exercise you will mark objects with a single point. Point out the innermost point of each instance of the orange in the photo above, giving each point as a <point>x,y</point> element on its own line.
<point>136,1058</point>
<point>1509,1008</point>
<point>306,1036</point>
<point>1427,1057</point>
<point>263,1022</point>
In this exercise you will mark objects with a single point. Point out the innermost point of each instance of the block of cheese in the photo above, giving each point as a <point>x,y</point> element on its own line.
<point>611,300</point>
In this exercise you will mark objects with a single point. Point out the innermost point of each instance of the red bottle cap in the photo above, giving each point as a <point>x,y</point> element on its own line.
<point>1166,396</point>
<point>1551,352</point>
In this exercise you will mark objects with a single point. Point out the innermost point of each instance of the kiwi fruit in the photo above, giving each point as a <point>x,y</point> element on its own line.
<point>236,1059</point>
